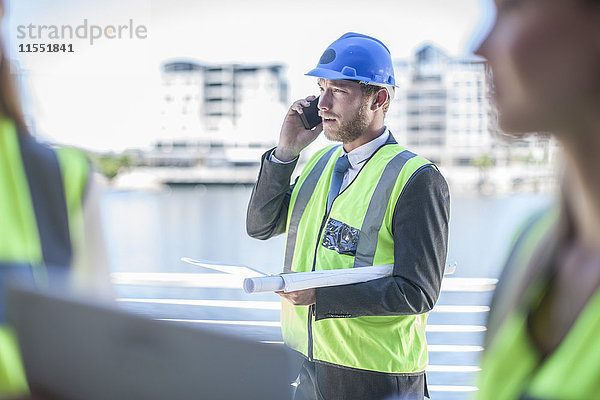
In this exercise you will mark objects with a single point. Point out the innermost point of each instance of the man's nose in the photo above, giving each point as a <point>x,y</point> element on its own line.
<point>324,101</point>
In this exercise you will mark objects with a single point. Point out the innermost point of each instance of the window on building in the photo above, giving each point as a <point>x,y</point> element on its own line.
<point>435,95</point>
<point>463,162</point>
<point>432,78</point>
<point>436,141</point>
<point>436,110</point>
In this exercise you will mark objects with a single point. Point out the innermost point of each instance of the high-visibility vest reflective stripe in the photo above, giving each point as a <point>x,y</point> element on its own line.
<point>390,344</point>
<point>41,193</point>
<point>512,368</point>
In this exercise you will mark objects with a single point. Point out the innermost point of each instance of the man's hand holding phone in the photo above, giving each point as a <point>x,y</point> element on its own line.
<point>294,136</point>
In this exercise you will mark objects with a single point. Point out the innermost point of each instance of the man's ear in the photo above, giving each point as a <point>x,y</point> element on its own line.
<point>380,99</point>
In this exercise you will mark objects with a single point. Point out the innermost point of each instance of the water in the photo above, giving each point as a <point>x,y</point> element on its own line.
<point>150,232</point>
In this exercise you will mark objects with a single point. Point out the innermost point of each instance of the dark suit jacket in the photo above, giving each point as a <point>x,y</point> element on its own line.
<point>420,229</point>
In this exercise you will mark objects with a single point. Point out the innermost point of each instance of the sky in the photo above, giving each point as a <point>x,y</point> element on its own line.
<point>106,95</point>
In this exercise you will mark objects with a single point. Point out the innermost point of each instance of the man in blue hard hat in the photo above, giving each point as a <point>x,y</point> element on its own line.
<point>366,202</point>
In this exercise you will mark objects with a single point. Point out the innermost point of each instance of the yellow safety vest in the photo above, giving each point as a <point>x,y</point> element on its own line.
<point>512,367</point>
<point>41,194</point>
<point>389,344</point>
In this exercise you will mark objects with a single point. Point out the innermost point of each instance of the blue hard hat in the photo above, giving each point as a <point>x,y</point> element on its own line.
<point>358,57</point>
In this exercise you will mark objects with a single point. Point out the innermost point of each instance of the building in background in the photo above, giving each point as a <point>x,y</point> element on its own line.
<point>214,114</point>
<point>443,111</point>
<point>217,120</point>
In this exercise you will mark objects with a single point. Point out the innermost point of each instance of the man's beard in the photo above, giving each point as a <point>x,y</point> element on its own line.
<point>351,130</point>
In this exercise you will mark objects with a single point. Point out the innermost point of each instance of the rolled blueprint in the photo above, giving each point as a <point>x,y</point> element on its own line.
<point>305,280</point>
<point>256,281</point>
<point>269,283</point>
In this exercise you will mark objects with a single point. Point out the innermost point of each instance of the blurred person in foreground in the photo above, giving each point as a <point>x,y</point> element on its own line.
<point>543,337</point>
<point>368,201</point>
<point>48,215</point>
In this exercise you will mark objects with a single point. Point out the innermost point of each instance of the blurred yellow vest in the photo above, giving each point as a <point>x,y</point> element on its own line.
<point>21,241</point>
<point>512,367</point>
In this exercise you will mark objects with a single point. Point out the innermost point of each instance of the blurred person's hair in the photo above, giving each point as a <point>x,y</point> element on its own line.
<point>10,105</point>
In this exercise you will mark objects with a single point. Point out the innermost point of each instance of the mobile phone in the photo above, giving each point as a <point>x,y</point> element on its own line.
<point>310,115</point>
